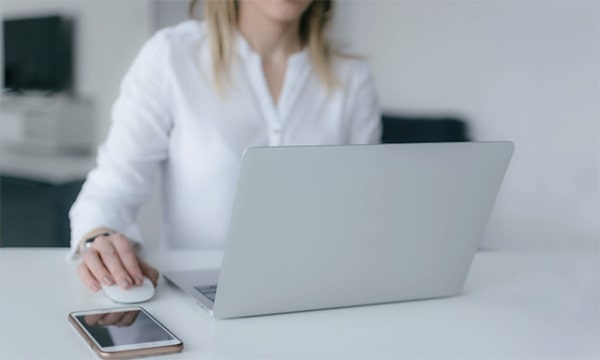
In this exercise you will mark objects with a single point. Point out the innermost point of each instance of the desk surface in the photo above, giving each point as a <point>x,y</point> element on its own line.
<point>514,306</point>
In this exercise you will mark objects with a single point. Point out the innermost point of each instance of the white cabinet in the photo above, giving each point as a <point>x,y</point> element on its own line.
<point>46,124</point>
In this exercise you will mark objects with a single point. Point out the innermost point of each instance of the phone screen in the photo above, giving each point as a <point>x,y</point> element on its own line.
<point>123,328</point>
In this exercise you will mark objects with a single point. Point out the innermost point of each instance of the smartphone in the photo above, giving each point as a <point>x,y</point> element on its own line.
<point>124,332</point>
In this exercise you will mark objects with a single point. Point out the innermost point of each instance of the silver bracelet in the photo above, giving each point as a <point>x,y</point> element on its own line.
<point>87,243</point>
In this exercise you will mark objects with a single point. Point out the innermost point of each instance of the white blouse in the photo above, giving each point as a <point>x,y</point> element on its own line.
<point>168,116</point>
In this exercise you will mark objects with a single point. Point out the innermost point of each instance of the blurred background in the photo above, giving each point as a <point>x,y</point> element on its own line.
<point>524,71</point>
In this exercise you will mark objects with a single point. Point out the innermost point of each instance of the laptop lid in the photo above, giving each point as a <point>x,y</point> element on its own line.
<point>317,227</point>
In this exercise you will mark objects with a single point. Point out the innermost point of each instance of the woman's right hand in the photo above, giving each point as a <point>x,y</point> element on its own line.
<point>112,259</point>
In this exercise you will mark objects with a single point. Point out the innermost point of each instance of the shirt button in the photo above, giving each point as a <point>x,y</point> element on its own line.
<point>276,131</point>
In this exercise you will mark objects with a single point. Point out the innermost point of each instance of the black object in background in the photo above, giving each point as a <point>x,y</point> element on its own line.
<point>38,54</point>
<point>419,129</point>
<point>35,213</point>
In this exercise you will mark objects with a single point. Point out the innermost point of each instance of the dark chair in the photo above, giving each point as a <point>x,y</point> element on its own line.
<point>418,129</point>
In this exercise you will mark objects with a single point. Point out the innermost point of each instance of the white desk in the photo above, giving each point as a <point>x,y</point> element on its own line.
<point>514,306</point>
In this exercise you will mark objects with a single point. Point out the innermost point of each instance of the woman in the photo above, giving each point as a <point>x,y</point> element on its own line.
<point>255,73</point>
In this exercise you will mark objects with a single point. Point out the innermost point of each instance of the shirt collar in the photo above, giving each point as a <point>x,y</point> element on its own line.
<point>245,51</point>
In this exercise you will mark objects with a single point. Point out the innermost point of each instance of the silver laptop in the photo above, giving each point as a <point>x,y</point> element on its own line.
<point>317,227</point>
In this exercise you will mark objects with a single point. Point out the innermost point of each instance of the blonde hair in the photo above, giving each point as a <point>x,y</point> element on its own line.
<point>221,17</point>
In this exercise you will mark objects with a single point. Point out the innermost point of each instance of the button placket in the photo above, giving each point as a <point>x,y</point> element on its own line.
<point>294,79</point>
<point>259,84</point>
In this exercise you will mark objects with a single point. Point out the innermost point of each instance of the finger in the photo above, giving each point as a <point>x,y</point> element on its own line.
<point>150,272</point>
<point>128,318</point>
<point>128,258</point>
<point>92,319</point>
<point>94,264</point>
<point>112,318</point>
<point>111,259</point>
<point>87,278</point>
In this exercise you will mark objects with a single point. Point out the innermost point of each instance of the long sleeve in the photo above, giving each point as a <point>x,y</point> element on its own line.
<point>363,112</point>
<point>136,145</point>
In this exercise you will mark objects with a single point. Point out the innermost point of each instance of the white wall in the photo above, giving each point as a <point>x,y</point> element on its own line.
<point>172,12</point>
<point>526,71</point>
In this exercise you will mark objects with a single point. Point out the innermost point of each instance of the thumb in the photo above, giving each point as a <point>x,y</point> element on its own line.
<point>150,272</point>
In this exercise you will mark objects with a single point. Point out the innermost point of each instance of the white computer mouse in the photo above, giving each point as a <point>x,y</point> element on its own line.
<point>135,294</point>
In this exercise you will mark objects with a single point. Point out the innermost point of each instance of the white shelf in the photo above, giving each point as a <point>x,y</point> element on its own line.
<point>46,124</point>
<point>54,169</point>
